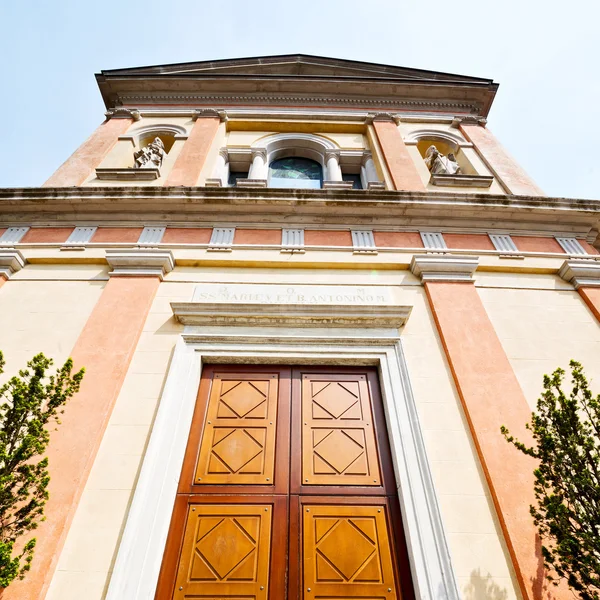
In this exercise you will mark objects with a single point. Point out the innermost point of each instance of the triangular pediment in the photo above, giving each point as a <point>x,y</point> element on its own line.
<point>298,65</point>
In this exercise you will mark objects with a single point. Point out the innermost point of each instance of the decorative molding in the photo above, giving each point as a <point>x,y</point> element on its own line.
<point>571,245</point>
<point>140,262</point>
<point>433,240</point>
<point>444,267</point>
<point>151,236</point>
<point>209,113</point>
<point>381,116</point>
<point>226,99</point>
<point>120,112</point>
<point>472,181</point>
<point>363,241</point>
<point>332,153</point>
<point>11,261</point>
<point>262,152</point>
<point>338,185</point>
<point>128,174</point>
<point>290,315</point>
<point>376,186</point>
<point>581,272</point>
<point>213,182</point>
<point>251,183</point>
<point>468,120</point>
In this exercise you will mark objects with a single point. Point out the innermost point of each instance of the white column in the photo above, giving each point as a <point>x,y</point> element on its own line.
<point>258,169</point>
<point>334,173</point>
<point>221,168</point>
<point>369,165</point>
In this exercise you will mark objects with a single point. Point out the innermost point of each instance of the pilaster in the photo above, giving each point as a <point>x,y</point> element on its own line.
<point>191,159</point>
<point>77,168</point>
<point>105,348</point>
<point>508,172</point>
<point>491,397</point>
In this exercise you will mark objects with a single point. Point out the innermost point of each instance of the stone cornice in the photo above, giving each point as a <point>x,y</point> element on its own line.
<point>468,212</point>
<point>444,267</point>
<point>580,273</point>
<point>11,261</point>
<point>123,113</point>
<point>290,315</point>
<point>140,263</point>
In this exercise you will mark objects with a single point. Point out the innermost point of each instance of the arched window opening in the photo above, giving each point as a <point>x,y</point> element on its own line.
<point>295,172</point>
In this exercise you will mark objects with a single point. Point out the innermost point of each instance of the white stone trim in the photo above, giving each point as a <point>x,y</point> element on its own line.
<point>221,238</point>
<point>433,240</point>
<point>13,235</point>
<point>363,241</point>
<point>140,262</point>
<point>142,546</point>
<point>581,272</point>
<point>11,261</point>
<point>290,315</point>
<point>151,236</point>
<point>570,245</point>
<point>444,267</point>
<point>292,240</point>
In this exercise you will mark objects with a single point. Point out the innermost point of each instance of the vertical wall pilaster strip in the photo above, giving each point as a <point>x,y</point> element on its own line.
<point>591,296</point>
<point>77,168</point>
<point>105,348</point>
<point>399,162</point>
<point>512,177</point>
<point>190,161</point>
<point>491,396</point>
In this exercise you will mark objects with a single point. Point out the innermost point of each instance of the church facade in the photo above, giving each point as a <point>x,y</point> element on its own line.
<point>307,293</point>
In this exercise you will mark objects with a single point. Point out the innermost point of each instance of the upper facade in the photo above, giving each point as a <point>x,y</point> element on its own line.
<point>295,121</point>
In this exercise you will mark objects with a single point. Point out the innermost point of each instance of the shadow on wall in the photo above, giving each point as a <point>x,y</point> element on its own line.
<point>482,587</point>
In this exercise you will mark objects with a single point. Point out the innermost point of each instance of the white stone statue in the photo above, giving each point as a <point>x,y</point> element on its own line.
<point>150,156</point>
<point>439,164</point>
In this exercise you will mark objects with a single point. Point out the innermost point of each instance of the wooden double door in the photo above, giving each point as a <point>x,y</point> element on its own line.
<point>287,491</point>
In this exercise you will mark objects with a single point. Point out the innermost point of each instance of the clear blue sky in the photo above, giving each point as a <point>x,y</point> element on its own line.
<point>544,54</point>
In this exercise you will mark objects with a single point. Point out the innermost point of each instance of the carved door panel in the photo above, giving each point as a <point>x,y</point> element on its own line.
<point>347,552</point>
<point>238,443</point>
<point>338,433</point>
<point>226,552</point>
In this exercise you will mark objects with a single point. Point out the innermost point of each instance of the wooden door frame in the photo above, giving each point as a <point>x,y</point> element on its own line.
<point>137,565</point>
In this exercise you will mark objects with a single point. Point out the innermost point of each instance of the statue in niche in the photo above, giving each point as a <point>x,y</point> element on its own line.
<point>150,156</point>
<point>439,164</point>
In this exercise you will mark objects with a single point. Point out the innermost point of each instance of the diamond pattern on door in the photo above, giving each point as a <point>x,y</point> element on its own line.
<point>338,440</point>
<point>238,442</point>
<point>347,552</point>
<point>225,552</point>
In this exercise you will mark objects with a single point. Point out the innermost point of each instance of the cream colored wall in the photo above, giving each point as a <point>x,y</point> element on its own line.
<point>244,139</point>
<point>541,326</point>
<point>121,156</point>
<point>86,561</point>
<point>42,314</point>
<point>474,538</point>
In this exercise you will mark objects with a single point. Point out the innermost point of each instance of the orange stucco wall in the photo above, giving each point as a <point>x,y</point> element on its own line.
<point>591,296</point>
<point>464,241</point>
<point>397,239</point>
<point>125,235</point>
<point>2,279</point>
<point>491,397</point>
<point>182,235</point>
<point>537,244</point>
<point>314,237</point>
<point>47,234</point>
<point>104,347</point>
<point>190,161</point>
<point>399,163</point>
<point>500,162</point>
<point>588,247</point>
<point>76,169</point>
<point>258,236</point>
